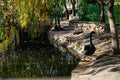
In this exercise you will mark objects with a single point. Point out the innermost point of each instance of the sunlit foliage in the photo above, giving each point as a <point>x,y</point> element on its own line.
<point>35,16</point>
<point>28,14</point>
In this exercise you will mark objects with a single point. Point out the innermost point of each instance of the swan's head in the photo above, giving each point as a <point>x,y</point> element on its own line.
<point>93,32</point>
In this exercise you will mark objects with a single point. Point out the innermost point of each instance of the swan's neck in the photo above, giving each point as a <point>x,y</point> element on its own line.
<point>91,39</point>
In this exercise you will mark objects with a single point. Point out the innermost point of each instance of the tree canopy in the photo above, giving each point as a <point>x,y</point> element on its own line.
<point>36,16</point>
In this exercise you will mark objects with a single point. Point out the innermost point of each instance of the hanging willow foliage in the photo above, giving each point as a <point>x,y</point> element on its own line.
<point>35,16</point>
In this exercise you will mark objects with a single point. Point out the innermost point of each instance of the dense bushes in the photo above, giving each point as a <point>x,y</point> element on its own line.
<point>91,13</point>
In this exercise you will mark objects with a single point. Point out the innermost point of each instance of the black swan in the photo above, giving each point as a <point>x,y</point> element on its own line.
<point>89,49</point>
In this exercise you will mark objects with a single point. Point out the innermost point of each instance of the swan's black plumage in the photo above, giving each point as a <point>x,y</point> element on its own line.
<point>89,49</point>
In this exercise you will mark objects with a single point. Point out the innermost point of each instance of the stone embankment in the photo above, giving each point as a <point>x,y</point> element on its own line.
<point>75,37</point>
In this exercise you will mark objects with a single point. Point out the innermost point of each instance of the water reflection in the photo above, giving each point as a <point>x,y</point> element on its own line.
<point>36,63</point>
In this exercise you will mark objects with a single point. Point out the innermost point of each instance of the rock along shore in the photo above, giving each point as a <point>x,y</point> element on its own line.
<point>102,65</point>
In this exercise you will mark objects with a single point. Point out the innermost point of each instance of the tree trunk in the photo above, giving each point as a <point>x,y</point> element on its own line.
<point>73,7</point>
<point>58,19</point>
<point>102,15</point>
<point>55,21</point>
<point>74,14</point>
<point>67,14</point>
<point>57,26</point>
<point>113,27</point>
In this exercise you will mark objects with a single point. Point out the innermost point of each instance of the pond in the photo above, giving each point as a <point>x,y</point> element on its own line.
<point>32,63</point>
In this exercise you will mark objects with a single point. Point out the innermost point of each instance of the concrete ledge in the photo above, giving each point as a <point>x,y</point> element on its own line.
<point>105,68</point>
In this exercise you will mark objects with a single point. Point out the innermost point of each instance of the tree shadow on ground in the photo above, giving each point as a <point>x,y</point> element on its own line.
<point>109,63</point>
<point>116,69</point>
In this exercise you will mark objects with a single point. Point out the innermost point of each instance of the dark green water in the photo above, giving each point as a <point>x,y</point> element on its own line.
<point>46,62</point>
